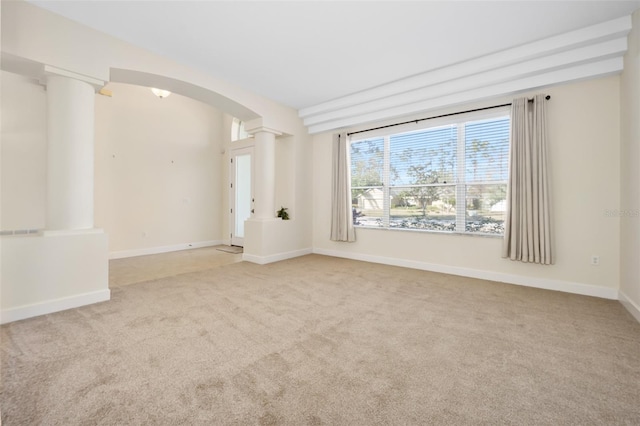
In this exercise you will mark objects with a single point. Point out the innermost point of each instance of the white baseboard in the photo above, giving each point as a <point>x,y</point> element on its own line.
<point>544,283</point>
<point>162,249</point>
<point>631,306</point>
<point>55,305</point>
<point>263,260</point>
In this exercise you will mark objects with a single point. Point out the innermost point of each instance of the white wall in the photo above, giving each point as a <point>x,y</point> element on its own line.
<point>630,173</point>
<point>585,159</point>
<point>158,169</point>
<point>24,153</point>
<point>49,273</point>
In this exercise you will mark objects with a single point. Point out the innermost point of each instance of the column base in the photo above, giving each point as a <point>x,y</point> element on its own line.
<point>271,240</point>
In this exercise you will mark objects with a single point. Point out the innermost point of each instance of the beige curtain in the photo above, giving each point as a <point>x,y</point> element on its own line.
<point>527,235</point>
<point>341,214</point>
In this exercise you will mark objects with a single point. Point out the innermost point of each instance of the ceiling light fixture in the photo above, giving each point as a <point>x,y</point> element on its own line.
<point>160,93</point>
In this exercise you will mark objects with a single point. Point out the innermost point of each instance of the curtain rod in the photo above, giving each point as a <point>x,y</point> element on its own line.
<point>437,116</point>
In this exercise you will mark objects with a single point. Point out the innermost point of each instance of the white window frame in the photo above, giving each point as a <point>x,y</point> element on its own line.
<point>461,207</point>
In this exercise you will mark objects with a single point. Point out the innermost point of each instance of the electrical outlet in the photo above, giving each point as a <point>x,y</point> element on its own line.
<point>595,259</point>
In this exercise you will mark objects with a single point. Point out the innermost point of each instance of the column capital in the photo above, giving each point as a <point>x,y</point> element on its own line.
<point>263,129</point>
<point>257,126</point>
<point>59,72</point>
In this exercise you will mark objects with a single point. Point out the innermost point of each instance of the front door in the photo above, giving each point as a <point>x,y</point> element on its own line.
<point>241,193</point>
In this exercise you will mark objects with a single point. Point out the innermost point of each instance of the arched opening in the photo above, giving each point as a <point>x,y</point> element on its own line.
<point>239,115</point>
<point>216,100</point>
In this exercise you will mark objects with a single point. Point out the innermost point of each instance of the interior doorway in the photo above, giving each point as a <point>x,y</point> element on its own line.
<point>240,192</point>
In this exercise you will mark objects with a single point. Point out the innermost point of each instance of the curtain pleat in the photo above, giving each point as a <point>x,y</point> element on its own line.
<point>527,236</point>
<point>341,213</point>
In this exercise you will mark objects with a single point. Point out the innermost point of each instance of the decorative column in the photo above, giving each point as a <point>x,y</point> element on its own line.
<point>265,170</point>
<point>70,127</point>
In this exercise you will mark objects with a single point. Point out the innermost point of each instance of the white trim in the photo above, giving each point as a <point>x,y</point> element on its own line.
<point>543,283</point>
<point>521,71</point>
<point>631,306</point>
<point>54,305</point>
<point>263,260</point>
<point>163,249</point>
<point>580,72</point>
<point>615,28</point>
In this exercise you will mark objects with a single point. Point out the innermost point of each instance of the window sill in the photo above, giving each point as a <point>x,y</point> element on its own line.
<point>429,231</point>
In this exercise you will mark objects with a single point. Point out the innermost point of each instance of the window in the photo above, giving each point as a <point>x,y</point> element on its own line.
<point>450,178</point>
<point>237,130</point>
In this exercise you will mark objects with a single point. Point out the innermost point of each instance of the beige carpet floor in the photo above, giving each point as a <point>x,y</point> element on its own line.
<point>319,340</point>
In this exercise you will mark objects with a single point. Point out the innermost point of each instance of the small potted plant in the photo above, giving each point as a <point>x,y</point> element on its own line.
<point>282,213</point>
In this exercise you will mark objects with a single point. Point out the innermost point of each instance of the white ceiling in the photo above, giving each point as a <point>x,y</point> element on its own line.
<point>302,53</point>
